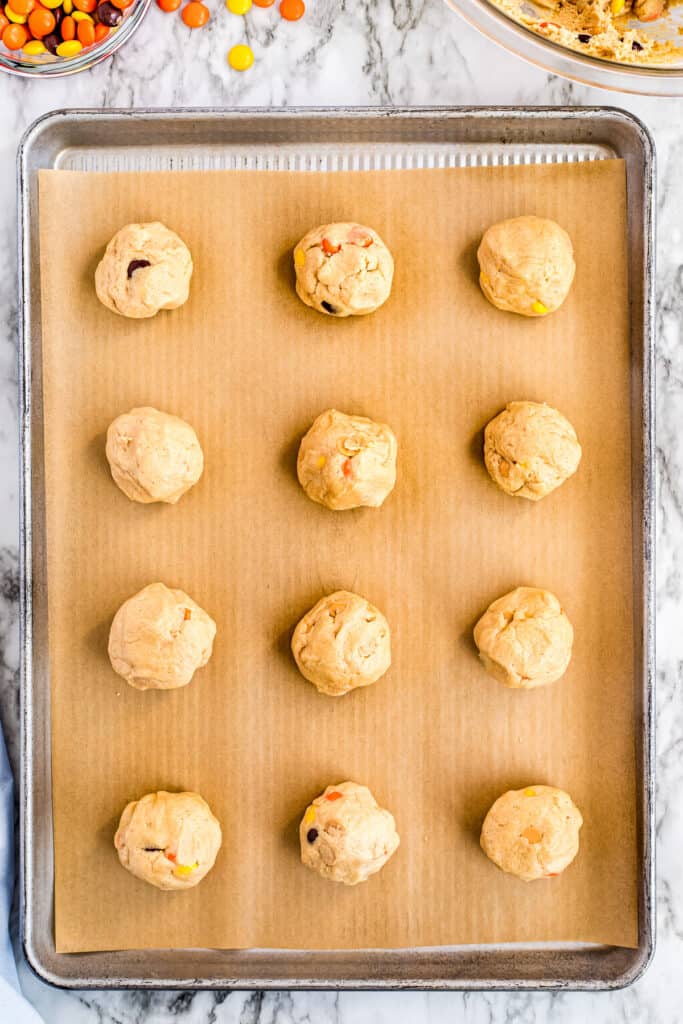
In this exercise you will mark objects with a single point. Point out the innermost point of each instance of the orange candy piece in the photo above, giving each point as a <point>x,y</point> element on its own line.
<point>263,3</point>
<point>4,22</point>
<point>14,36</point>
<point>68,28</point>
<point>41,22</point>
<point>87,6</point>
<point>195,14</point>
<point>292,10</point>
<point>101,32</point>
<point>335,795</point>
<point>122,4</point>
<point>169,5</point>
<point>86,33</point>
<point>329,247</point>
<point>23,7</point>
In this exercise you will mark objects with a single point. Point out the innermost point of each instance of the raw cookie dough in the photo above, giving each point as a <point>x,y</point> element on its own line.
<point>526,265</point>
<point>525,639</point>
<point>532,833</point>
<point>168,839</point>
<point>530,449</point>
<point>345,836</point>
<point>145,268</point>
<point>343,270</point>
<point>601,28</point>
<point>343,642</point>
<point>153,456</point>
<point>347,461</point>
<point>159,638</point>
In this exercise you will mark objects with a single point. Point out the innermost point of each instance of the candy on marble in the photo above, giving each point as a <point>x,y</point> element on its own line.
<point>240,57</point>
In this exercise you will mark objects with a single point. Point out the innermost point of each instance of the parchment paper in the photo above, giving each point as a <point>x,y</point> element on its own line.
<point>436,740</point>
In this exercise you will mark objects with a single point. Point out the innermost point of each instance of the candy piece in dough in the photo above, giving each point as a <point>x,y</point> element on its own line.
<point>526,265</point>
<point>347,461</point>
<point>342,643</point>
<point>159,638</point>
<point>533,832</point>
<point>530,449</point>
<point>168,839</point>
<point>153,456</point>
<point>343,269</point>
<point>525,639</point>
<point>345,835</point>
<point>145,268</point>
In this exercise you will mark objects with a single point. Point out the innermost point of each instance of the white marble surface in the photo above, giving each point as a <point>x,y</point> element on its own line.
<point>370,52</point>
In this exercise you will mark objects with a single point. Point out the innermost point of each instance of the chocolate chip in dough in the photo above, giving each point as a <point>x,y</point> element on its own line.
<point>329,308</point>
<point>312,835</point>
<point>137,265</point>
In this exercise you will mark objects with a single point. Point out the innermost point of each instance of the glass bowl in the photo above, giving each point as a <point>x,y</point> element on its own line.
<point>650,80</point>
<point>45,65</point>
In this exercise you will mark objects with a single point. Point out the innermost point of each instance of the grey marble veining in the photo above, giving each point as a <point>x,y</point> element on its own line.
<point>370,52</point>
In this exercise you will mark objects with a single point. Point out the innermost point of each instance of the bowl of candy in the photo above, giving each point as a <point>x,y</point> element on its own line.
<point>60,37</point>
<point>630,45</point>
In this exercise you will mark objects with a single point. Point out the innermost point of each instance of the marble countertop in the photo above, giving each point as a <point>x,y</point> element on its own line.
<point>371,52</point>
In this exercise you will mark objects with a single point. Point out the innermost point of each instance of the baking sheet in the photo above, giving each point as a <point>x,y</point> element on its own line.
<point>437,740</point>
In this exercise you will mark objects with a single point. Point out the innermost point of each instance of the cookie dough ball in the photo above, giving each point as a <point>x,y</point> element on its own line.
<point>153,456</point>
<point>145,268</point>
<point>525,639</point>
<point>526,265</point>
<point>345,835</point>
<point>532,833</point>
<point>530,449</point>
<point>347,461</point>
<point>343,642</point>
<point>159,638</point>
<point>343,270</point>
<point>168,839</point>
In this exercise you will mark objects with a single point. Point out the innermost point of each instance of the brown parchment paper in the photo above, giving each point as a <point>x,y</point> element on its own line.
<point>436,740</point>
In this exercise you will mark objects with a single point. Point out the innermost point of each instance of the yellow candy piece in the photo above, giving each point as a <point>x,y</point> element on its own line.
<point>321,461</point>
<point>69,48</point>
<point>51,4</point>
<point>484,278</point>
<point>33,47</point>
<point>240,57</point>
<point>18,19</point>
<point>618,6</point>
<point>68,6</point>
<point>185,869</point>
<point>81,16</point>
<point>538,307</point>
<point>238,6</point>
<point>532,835</point>
<point>309,816</point>
<point>529,792</point>
<point>299,257</point>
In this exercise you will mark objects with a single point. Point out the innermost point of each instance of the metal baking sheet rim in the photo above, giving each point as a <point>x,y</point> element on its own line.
<point>545,966</point>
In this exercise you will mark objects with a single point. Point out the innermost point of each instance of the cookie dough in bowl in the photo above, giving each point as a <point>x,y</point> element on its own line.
<point>145,268</point>
<point>170,840</point>
<point>525,639</point>
<point>153,456</point>
<point>533,832</point>
<point>347,461</point>
<point>526,265</point>
<point>342,643</point>
<point>345,835</point>
<point>159,638</point>
<point>343,270</point>
<point>530,449</point>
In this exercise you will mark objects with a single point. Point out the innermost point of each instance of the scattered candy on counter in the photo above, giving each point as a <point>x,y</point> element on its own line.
<point>61,27</point>
<point>240,57</point>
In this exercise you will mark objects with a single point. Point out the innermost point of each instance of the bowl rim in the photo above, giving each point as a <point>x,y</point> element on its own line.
<point>82,61</point>
<point>491,21</point>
